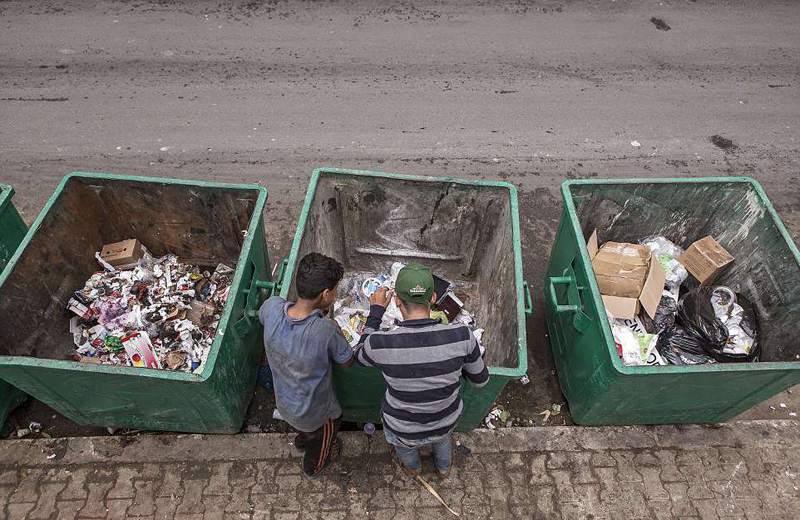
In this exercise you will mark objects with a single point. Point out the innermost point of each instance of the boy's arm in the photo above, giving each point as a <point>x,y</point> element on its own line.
<point>338,347</point>
<point>378,302</point>
<point>363,349</point>
<point>475,370</point>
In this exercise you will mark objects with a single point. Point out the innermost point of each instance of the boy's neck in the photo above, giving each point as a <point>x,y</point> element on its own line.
<point>418,315</point>
<point>302,308</point>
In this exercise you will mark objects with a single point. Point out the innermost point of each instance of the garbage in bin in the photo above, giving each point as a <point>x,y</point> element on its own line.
<point>665,314</point>
<point>148,312</point>
<point>467,232</point>
<point>678,346</point>
<point>627,277</point>
<point>635,345</point>
<point>725,323</point>
<point>201,222</point>
<point>706,259</point>
<point>623,272</point>
<point>351,312</point>
<point>600,387</point>
<point>667,255</point>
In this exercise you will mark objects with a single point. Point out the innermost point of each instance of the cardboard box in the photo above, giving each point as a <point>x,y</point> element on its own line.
<point>621,269</point>
<point>705,259</point>
<point>123,254</point>
<point>627,277</point>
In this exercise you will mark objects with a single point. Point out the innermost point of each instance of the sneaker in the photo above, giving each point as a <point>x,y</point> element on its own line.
<point>336,450</point>
<point>333,456</point>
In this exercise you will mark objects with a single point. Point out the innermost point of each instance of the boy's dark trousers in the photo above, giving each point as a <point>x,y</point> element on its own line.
<point>319,446</point>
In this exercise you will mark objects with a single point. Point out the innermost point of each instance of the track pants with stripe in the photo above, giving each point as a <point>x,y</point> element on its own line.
<point>318,446</point>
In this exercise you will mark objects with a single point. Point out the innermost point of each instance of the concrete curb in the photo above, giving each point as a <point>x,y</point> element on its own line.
<point>175,448</point>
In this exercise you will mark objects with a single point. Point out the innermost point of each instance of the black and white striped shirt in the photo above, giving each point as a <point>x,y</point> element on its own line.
<point>422,362</point>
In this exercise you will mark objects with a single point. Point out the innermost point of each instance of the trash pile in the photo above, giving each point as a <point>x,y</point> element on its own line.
<point>147,312</point>
<point>350,312</point>
<point>656,319</point>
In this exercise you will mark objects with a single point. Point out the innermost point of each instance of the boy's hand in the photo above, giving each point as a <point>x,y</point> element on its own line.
<point>381,297</point>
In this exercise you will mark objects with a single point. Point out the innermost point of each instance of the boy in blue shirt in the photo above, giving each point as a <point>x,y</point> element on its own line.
<point>301,345</point>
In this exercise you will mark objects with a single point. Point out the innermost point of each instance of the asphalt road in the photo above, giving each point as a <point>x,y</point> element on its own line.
<point>530,92</point>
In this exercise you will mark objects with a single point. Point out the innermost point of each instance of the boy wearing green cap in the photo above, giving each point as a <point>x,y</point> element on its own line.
<point>422,362</point>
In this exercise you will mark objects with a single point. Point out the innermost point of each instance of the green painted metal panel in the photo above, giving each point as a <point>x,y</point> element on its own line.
<point>174,216</point>
<point>12,230</point>
<point>735,210</point>
<point>361,389</point>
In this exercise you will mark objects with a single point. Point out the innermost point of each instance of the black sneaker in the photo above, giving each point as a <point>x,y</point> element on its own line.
<point>333,456</point>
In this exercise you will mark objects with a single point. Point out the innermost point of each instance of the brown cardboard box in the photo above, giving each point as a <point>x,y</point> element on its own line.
<point>621,269</point>
<point>705,259</point>
<point>627,277</point>
<point>121,254</point>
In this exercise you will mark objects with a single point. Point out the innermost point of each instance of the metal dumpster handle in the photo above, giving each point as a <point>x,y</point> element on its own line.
<point>579,319</point>
<point>253,296</point>
<point>281,274</point>
<point>528,301</point>
<point>568,280</point>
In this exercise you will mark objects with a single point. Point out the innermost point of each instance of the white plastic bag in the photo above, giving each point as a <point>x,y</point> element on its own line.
<point>667,255</point>
<point>635,347</point>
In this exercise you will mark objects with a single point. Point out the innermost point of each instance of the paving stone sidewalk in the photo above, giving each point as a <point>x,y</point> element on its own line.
<point>746,470</point>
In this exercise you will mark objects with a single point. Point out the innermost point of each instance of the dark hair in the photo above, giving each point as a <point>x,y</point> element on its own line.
<point>315,273</point>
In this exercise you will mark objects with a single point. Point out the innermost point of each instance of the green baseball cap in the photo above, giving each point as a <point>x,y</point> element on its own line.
<point>414,284</point>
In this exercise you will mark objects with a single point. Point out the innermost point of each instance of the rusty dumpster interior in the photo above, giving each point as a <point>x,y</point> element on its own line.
<point>462,232</point>
<point>764,269</point>
<point>202,225</point>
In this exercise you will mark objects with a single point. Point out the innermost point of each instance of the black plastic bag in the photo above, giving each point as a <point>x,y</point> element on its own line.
<point>696,315</point>
<point>664,318</point>
<point>678,346</point>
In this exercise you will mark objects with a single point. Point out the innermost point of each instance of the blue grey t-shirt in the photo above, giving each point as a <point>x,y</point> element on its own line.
<point>299,353</point>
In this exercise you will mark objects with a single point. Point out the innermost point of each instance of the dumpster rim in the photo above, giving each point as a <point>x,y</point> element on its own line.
<point>522,339</point>
<point>616,362</point>
<point>6,193</point>
<point>205,374</point>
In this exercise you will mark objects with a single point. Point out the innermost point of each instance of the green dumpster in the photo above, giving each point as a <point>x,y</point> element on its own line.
<point>12,229</point>
<point>735,210</point>
<point>466,231</point>
<point>203,223</point>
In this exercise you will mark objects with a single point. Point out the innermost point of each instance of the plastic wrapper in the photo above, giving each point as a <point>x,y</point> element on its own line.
<point>634,344</point>
<point>351,321</point>
<point>667,254</point>
<point>740,318</point>
<point>356,296</point>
